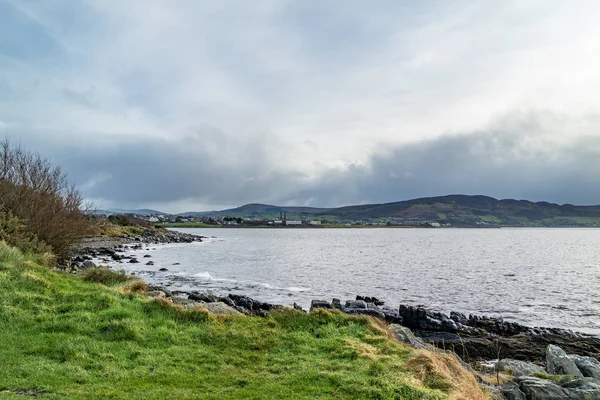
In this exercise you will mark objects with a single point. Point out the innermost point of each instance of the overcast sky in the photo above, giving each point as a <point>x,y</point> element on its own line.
<point>193,105</point>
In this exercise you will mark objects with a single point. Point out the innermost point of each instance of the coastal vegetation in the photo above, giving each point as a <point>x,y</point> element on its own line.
<point>37,202</point>
<point>65,337</point>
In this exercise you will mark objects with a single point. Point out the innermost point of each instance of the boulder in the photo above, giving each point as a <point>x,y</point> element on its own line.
<point>221,309</point>
<point>582,389</point>
<point>88,264</point>
<point>243,301</point>
<point>540,389</point>
<point>147,256</point>
<point>319,304</point>
<point>559,363</point>
<point>150,263</point>
<point>356,304</point>
<point>133,261</point>
<point>337,303</point>
<point>207,297</point>
<point>405,335</point>
<point>589,366</point>
<point>187,303</point>
<point>511,391</point>
<point>519,368</point>
<point>227,301</point>
<point>163,269</point>
<point>156,293</point>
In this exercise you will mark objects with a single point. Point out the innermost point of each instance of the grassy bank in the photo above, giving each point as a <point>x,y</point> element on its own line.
<point>63,337</point>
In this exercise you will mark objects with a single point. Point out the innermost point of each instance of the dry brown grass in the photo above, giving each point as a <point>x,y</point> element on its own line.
<point>136,286</point>
<point>443,371</point>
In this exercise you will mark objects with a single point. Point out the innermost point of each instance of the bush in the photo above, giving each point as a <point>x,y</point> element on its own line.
<point>104,275</point>
<point>14,232</point>
<point>40,196</point>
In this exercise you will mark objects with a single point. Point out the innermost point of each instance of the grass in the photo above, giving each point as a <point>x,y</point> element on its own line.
<point>554,378</point>
<point>63,337</point>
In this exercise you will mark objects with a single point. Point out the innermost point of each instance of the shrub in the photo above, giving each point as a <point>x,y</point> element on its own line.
<point>104,275</point>
<point>39,194</point>
<point>14,232</point>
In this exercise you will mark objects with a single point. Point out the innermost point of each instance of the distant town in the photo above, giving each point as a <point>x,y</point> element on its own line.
<point>282,220</point>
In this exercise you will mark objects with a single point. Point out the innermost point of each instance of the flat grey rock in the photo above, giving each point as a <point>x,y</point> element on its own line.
<point>519,368</point>
<point>589,366</point>
<point>540,389</point>
<point>559,363</point>
<point>405,335</point>
<point>221,309</point>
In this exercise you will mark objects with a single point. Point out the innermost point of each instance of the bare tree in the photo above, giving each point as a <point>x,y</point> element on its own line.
<point>38,192</point>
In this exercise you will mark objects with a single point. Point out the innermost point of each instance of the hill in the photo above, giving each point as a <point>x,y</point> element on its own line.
<point>260,209</point>
<point>464,210</point>
<point>456,210</point>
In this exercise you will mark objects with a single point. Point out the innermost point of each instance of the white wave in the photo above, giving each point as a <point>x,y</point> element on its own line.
<point>297,289</point>
<point>205,275</point>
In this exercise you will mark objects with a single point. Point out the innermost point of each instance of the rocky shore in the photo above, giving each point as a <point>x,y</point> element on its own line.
<point>113,247</point>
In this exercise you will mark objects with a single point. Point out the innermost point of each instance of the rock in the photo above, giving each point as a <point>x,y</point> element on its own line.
<point>207,297</point>
<point>150,263</point>
<point>559,363</point>
<point>519,368</point>
<point>221,308</point>
<point>430,324</point>
<point>373,300</point>
<point>187,303</point>
<point>227,301</point>
<point>337,303</point>
<point>356,304</point>
<point>582,389</point>
<point>511,391</point>
<point>147,256</point>
<point>405,335</point>
<point>589,366</point>
<point>366,311</point>
<point>243,301</point>
<point>88,264</point>
<point>319,304</point>
<point>133,261</point>
<point>156,293</point>
<point>540,389</point>
<point>163,269</point>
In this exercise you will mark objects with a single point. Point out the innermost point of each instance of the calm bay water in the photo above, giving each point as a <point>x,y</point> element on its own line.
<point>541,277</point>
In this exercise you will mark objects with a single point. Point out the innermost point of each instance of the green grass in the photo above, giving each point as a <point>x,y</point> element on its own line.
<point>490,219</point>
<point>63,337</point>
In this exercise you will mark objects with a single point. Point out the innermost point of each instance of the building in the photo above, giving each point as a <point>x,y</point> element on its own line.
<point>315,222</point>
<point>293,222</point>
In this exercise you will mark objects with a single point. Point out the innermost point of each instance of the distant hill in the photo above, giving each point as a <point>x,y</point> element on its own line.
<point>463,210</point>
<point>259,209</point>
<point>456,210</point>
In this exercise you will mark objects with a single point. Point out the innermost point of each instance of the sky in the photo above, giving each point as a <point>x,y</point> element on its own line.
<point>193,105</point>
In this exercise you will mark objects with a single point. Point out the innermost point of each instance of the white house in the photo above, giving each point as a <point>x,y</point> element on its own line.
<point>315,222</point>
<point>293,223</point>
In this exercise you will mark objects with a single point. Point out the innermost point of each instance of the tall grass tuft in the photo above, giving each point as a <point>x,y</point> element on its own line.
<point>105,276</point>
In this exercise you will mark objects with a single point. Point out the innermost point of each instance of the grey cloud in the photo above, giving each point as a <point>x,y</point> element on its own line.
<point>512,159</point>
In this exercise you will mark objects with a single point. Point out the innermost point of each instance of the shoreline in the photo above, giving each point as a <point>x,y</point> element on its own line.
<point>475,335</point>
<point>526,357</point>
